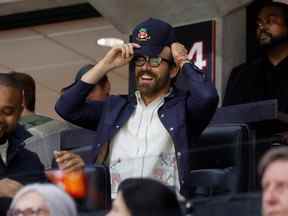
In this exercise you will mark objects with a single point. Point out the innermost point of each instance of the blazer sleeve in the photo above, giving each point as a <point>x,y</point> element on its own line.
<point>202,98</point>
<point>73,107</point>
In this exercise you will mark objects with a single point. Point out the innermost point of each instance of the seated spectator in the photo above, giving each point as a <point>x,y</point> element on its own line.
<point>273,171</point>
<point>28,117</point>
<point>101,89</point>
<point>265,77</point>
<point>138,196</point>
<point>155,128</point>
<point>42,199</point>
<point>45,130</point>
<point>18,166</point>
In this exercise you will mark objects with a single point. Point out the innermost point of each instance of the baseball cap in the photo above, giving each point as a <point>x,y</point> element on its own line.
<point>153,35</point>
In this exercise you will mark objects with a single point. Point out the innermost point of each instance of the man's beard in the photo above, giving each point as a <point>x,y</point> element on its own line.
<point>155,87</point>
<point>4,138</point>
<point>5,133</point>
<point>272,41</point>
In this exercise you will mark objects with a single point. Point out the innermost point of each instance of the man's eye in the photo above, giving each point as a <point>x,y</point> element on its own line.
<point>155,60</point>
<point>8,111</point>
<point>140,60</point>
<point>272,19</point>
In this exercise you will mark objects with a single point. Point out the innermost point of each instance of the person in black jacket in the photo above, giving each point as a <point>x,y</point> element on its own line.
<point>266,77</point>
<point>18,166</point>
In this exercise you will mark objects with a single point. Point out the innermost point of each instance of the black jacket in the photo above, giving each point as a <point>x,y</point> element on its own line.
<point>258,80</point>
<point>22,165</point>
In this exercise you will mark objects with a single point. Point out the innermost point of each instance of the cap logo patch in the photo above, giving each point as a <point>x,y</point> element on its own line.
<point>143,35</point>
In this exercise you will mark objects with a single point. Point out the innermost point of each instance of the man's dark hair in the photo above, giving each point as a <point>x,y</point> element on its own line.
<point>85,69</point>
<point>81,72</point>
<point>144,197</point>
<point>279,5</point>
<point>27,84</point>
<point>276,154</point>
<point>7,80</point>
<point>102,81</point>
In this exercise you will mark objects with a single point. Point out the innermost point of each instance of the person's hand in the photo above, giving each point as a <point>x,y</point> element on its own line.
<point>9,187</point>
<point>179,53</point>
<point>68,161</point>
<point>119,56</point>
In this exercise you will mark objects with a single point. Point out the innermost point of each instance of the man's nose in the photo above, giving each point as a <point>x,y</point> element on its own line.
<point>270,196</point>
<point>146,66</point>
<point>260,25</point>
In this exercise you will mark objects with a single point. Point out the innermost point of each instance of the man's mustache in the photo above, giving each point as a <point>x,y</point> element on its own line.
<point>141,73</point>
<point>266,34</point>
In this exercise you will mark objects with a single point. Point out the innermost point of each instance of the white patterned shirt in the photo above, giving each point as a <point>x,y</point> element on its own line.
<point>143,148</point>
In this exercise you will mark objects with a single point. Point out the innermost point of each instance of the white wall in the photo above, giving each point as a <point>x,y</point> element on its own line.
<point>53,53</point>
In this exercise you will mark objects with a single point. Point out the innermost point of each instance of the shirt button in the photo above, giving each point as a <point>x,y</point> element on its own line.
<point>182,181</point>
<point>171,129</point>
<point>188,205</point>
<point>178,154</point>
<point>117,126</point>
<point>162,115</point>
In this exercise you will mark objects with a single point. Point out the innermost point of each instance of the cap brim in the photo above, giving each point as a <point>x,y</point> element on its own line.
<point>148,50</point>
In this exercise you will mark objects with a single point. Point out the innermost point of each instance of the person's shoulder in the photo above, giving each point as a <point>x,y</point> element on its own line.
<point>17,144</point>
<point>246,68</point>
<point>118,101</point>
<point>115,98</point>
<point>19,135</point>
<point>249,64</point>
<point>34,120</point>
<point>191,66</point>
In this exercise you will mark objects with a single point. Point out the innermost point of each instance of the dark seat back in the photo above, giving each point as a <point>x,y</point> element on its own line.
<point>212,182</point>
<point>99,189</point>
<point>224,155</point>
<point>79,141</point>
<point>77,138</point>
<point>248,204</point>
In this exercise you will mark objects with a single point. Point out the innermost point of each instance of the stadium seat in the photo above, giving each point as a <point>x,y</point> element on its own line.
<point>222,161</point>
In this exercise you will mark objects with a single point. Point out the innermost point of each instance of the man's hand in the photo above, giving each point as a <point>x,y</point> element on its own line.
<point>119,56</point>
<point>179,53</point>
<point>68,161</point>
<point>115,57</point>
<point>9,187</point>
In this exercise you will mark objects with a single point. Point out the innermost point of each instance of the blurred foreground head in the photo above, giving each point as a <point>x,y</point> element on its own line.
<point>42,200</point>
<point>273,170</point>
<point>142,197</point>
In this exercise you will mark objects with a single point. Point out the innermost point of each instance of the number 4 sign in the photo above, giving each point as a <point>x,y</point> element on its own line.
<point>199,38</point>
<point>196,55</point>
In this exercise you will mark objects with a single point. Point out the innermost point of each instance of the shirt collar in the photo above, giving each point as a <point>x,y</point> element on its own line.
<point>161,98</point>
